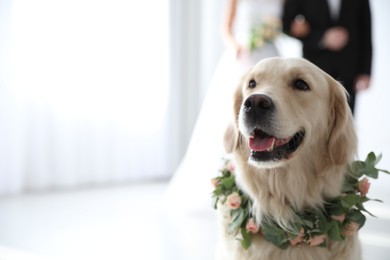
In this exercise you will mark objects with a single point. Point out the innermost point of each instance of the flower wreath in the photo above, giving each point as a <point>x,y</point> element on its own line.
<point>341,217</point>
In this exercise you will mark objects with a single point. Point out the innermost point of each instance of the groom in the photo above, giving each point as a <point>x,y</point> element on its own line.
<point>336,36</point>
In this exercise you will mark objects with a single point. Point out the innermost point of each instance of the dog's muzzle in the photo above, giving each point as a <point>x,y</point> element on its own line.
<point>258,115</point>
<point>258,108</point>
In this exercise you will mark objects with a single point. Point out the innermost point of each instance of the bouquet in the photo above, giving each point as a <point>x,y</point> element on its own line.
<point>266,32</point>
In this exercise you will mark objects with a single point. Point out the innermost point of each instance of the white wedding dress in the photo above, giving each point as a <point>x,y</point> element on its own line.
<point>190,188</point>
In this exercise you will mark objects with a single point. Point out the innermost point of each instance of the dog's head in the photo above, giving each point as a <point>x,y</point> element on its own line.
<point>289,108</point>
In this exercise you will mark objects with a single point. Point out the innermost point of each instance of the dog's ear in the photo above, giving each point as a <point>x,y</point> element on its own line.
<point>342,140</point>
<point>237,100</point>
<point>230,139</point>
<point>232,134</point>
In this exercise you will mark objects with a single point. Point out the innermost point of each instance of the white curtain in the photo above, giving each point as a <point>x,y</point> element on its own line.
<point>84,92</point>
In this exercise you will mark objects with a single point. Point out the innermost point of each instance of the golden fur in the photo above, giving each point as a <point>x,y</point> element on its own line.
<point>311,174</point>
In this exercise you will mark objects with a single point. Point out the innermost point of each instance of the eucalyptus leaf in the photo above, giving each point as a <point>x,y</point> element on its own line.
<point>334,231</point>
<point>237,221</point>
<point>235,212</point>
<point>336,210</point>
<point>371,159</point>
<point>370,169</point>
<point>349,187</point>
<point>360,207</point>
<point>384,171</point>
<point>215,202</point>
<point>246,238</point>
<point>356,169</point>
<point>307,223</point>
<point>272,229</point>
<point>228,182</point>
<point>277,239</point>
<point>371,172</point>
<point>356,216</point>
<point>350,200</point>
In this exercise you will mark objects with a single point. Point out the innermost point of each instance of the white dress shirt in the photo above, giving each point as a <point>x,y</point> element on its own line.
<point>334,8</point>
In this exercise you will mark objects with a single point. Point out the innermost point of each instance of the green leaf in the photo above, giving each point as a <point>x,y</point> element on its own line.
<point>215,202</point>
<point>356,169</point>
<point>372,172</point>
<point>335,209</point>
<point>374,200</point>
<point>234,213</point>
<point>360,207</point>
<point>238,216</point>
<point>217,192</point>
<point>378,158</point>
<point>371,159</point>
<point>246,238</point>
<point>350,200</point>
<point>370,169</point>
<point>356,216</point>
<point>228,182</point>
<point>295,232</point>
<point>275,235</point>
<point>271,228</point>
<point>384,171</point>
<point>326,226</point>
<point>277,239</point>
<point>284,245</point>
<point>307,223</point>
<point>334,231</point>
<point>349,185</point>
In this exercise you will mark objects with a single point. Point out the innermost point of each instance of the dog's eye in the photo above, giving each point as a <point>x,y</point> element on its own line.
<point>252,84</point>
<point>301,85</point>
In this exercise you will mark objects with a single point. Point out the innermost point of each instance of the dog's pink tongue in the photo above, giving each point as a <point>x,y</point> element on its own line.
<point>258,144</point>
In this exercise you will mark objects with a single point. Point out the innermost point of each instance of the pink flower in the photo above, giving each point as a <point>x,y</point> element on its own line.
<point>339,218</point>
<point>350,229</point>
<point>214,182</point>
<point>231,167</point>
<point>298,239</point>
<point>234,200</point>
<point>364,186</point>
<point>251,226</point>
<point>316,240</point>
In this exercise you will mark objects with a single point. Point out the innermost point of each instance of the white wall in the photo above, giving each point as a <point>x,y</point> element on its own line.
<point>83,93</point>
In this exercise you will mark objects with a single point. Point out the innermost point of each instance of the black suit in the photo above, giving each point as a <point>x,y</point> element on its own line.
<point>355,58</point>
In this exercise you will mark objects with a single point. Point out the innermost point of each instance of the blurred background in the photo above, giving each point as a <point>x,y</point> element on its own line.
<point>98,100</point>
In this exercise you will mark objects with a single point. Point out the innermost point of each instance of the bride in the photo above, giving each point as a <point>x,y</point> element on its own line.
<point>249,30</point>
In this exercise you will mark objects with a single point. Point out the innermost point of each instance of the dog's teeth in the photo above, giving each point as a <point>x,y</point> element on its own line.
<point>272,145</point>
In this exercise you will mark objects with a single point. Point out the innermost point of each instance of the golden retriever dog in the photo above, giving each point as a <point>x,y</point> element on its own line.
<point>292,138</point>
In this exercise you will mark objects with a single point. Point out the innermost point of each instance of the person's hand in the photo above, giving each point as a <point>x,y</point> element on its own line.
<point>300,27</point>
<point>239,49</point>
<point>362,82</point>
<point>335,38</point>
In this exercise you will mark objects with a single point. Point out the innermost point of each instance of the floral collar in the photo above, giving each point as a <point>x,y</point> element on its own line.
<point>340,218</point>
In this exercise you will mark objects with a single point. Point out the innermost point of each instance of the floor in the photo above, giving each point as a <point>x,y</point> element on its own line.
<point>126,222</point>
<point>105,223</point>
<point>130,222</point>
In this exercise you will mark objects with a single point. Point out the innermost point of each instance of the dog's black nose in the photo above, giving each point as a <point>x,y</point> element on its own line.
<point>258,103</point>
